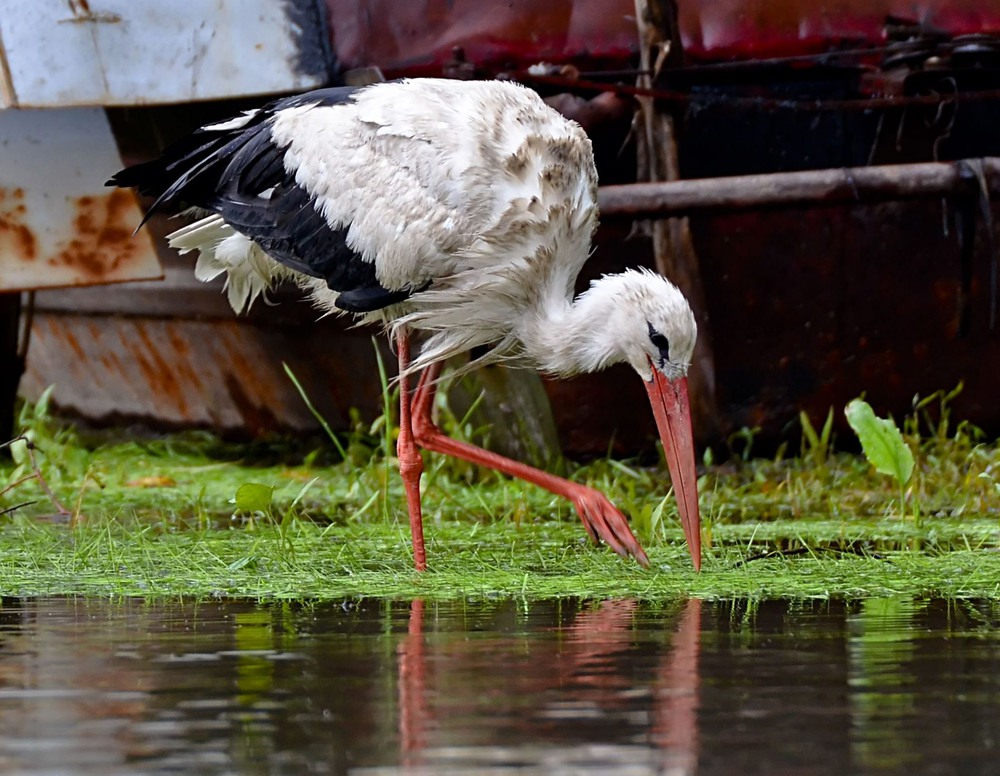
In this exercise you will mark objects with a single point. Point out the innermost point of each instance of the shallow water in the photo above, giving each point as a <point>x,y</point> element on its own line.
<point>615,687</point>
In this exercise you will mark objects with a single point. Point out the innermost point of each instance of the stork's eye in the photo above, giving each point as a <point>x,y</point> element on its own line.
<point>660,342</point>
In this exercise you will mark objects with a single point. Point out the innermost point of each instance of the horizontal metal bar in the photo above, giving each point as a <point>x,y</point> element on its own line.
<point>860,185</point>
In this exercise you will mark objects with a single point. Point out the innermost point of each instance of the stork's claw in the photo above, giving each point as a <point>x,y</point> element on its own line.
<point>605,522</point>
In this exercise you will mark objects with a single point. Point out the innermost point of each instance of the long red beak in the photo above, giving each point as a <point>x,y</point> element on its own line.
<point>672,410</point>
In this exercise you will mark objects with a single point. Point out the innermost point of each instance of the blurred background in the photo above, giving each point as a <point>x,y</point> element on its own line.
<point>810,289</point>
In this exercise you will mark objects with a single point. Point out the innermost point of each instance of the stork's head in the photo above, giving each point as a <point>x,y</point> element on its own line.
<point>646,322</point>
<point>650,324</point>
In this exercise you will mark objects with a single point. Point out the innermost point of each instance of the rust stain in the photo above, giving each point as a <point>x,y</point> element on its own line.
<point>157,369</point>
<point>74,344</point>
<point>182,359</point>
<point>251,396</point>
<point>103,244</point>
<point>256,416</point>
<point>16,238</point>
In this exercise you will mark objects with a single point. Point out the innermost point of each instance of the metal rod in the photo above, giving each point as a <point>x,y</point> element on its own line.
<point>860,185</point>
<point>799,103</point>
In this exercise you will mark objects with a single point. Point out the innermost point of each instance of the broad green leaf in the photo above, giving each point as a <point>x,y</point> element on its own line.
<point>254,497</point>
<point>881,441</point>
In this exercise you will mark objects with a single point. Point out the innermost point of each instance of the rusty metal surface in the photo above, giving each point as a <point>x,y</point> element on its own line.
<point>719,30</point>
<point>59,226</point>
<point>224,374</point>
<point>815,306</point>
<point>125,52</point>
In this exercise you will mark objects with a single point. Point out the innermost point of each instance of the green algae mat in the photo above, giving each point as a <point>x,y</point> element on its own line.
<point>498,560</point>
<point>189,516</point>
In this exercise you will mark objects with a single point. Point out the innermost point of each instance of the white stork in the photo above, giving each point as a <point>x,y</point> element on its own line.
<point>463,210</point>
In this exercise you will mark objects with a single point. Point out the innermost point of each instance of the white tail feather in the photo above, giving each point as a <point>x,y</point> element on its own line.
<point>249,272</point>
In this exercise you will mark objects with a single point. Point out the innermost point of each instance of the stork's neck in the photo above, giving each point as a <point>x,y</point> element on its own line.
<point>567,336</point>
<point>613,322</point>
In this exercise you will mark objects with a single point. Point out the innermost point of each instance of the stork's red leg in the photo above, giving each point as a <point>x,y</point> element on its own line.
<point>600,517</point>
<point>411,464</point>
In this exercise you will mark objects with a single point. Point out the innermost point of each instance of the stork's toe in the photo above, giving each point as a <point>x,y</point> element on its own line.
<point>605,522</point>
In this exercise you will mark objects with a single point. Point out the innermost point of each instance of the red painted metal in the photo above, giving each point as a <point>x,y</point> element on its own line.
<point>747,29</point>
<point>418,38</point>
<point>823,304</point>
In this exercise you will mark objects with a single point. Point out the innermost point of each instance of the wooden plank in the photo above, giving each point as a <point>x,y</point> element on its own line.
<point>810,187</point>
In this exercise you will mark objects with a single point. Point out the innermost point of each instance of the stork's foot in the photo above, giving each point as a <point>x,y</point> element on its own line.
<point>411,466</point>
<point>605,523</point>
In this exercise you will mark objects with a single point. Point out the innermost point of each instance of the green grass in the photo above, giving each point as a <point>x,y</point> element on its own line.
<point>159,518</point>
<point>131,558</point>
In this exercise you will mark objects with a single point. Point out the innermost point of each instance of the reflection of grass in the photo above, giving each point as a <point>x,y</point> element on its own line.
<point>159,518</point>
<point>881,648</point>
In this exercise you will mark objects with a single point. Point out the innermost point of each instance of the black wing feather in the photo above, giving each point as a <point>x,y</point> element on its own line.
<point>240,174</point>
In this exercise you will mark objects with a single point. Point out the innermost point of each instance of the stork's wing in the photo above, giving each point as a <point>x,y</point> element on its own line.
<point>388,189</point>
<point>436,178</point>
<point>236,169</point>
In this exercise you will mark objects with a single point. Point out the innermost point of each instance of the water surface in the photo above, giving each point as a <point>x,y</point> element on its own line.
<point>612,687</point>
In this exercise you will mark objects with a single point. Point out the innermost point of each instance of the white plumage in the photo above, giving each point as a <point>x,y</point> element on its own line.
<point>463,210</point>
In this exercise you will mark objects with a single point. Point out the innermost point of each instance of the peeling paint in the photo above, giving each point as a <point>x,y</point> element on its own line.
<point>419,37</point>
<point>17,240</point>
<point>59,226</point>
<point>102,243</point>
<point>141,52</point>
